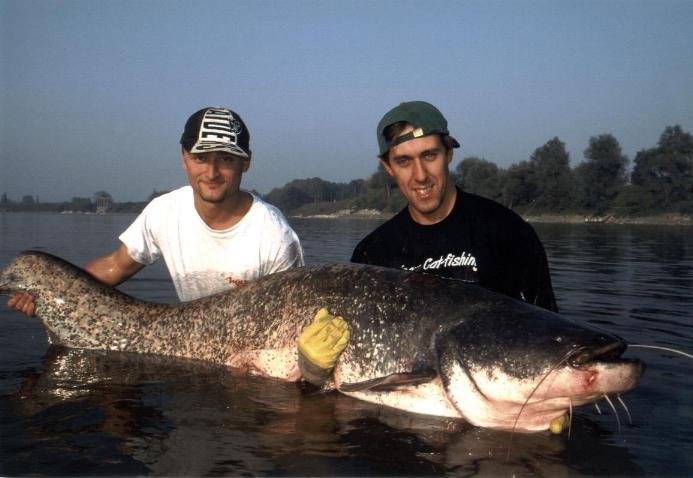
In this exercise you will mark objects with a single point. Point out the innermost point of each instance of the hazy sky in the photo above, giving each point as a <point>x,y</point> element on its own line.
<point>95,93</point>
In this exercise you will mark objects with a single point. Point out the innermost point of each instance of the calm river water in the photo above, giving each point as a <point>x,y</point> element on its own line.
<point>87,413</point>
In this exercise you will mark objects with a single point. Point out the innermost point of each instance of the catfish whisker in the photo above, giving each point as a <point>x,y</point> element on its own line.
<point>618,419</point>
<point>666,349</point>
<point>623,404</point>
<point>652,347</point>
<point>570,417</point>
<point>552,369</point>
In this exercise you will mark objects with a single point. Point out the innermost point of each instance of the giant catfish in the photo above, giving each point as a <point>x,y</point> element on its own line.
<point>418,343</point>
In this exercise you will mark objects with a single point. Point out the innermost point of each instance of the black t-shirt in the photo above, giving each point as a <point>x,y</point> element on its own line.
<point>480,242</point>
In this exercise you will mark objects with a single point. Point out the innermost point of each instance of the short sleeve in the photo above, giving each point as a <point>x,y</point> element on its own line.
<point>288,255</point>
<point>140,239</point>
<point>281,248</point>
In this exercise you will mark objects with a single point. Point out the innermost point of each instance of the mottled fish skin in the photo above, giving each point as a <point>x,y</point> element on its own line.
<point>401,323</point>
<point>267,314</point>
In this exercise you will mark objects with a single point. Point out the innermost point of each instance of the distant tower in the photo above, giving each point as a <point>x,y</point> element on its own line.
<point>103,202</point>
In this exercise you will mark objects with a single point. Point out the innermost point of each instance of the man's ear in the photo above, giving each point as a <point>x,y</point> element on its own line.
<point>246,162</point>
<point>386,167</point>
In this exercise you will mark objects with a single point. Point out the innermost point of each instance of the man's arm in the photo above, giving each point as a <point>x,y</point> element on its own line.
<point>111,269</point>
<point>114,268</point>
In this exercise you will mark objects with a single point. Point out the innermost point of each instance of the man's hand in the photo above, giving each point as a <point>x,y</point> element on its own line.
<point>23,302</point>
<point>320,344</point>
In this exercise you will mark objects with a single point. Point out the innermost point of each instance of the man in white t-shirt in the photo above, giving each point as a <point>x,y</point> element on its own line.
<point>212,235</point>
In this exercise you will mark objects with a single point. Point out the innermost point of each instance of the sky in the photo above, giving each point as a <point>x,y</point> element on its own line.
<point>94,94</point>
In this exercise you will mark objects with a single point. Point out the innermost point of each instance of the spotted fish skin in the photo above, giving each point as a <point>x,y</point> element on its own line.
<point>418,342</point>
<point>264,315</point>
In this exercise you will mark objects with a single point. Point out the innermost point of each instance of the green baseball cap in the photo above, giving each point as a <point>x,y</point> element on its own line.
<point>424,118</point>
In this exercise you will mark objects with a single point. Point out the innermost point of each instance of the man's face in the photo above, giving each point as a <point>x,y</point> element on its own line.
<point>215,176</point>
<point>420,168</point>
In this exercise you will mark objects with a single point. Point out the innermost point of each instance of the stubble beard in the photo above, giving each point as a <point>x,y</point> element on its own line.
<point>213,197</point>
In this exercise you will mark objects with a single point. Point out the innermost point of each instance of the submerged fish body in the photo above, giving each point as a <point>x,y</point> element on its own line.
<point>418,343</point>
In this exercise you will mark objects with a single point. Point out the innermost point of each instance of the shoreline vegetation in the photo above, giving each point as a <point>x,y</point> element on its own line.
<point>660,219</point>
<point>664,219</point>
<point>671,219</point>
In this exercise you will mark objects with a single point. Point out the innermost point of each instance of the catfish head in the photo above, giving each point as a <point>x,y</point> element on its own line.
<point>23,274</point>
<point>45,276</point>
<point>521,370</point>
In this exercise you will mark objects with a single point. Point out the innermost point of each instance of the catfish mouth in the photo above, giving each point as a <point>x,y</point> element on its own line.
<point>610,353</point>
<point>607,361</point>
<point>8,284</point>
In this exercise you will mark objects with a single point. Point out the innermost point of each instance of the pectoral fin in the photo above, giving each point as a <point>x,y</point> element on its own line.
<point>390,382</point>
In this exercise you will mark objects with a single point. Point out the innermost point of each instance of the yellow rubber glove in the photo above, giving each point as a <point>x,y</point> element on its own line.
<point>320,344</point>
<point>559,424</point>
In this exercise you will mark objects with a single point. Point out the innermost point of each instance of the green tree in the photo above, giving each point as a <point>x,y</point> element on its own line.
<point>381,192</point>
<point>479,176</point>
<point>552,176</point>
<point>288,197</point>
<point>381,182</point>
<point>355,188</point>
<point>314,191</point>
<point>666,171</point>
<point>602,176</point>
<point>519,187</point>
<point>633,200</point>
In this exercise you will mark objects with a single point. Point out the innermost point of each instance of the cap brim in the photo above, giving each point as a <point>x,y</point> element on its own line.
<point>208,147</point>
<point>414,134</point>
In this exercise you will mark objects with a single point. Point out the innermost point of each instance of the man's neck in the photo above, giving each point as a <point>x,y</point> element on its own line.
<point>225,214</point>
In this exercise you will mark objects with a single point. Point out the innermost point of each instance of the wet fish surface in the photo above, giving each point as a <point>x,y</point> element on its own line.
<point>419,343</point>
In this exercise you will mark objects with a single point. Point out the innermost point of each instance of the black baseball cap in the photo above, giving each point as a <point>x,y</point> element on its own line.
<point>424,118</point>
<point>216,129</point>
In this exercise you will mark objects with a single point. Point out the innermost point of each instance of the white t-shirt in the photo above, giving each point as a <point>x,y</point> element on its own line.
<point>203,261</point>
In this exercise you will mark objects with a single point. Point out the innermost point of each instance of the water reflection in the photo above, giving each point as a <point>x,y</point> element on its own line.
<point>152,415</point>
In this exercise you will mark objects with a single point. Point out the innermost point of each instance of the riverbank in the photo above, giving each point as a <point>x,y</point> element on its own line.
<point>668,219</point>
<point>358,214</point>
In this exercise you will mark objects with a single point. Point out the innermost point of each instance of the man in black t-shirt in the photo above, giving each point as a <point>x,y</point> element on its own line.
<point>443,230</point>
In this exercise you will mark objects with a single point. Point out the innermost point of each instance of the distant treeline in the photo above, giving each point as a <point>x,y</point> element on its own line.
<point>660,181</point>
<point>98,203</point>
